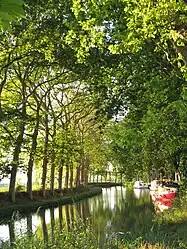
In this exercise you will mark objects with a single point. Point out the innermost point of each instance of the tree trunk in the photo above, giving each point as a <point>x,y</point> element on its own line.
<point>52,180</point>
<point>60,173</point>
<point>106,177</point>
<point>116,175</point>
<point>86,170</point>
<point>90,178</point>
<point>77,181</point>
<point>110,177</point>
<point>121,178</point>
<point>32,153</point>
<point>17,149</point>
<point>45,159</point>
<point>86,177</point>
<point>82,171</point>
<point>71,177</point>
<point>67,176</point>
<point>97,178</point>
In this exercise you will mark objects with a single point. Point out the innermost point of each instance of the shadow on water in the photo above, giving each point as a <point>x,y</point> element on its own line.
<point>118,212</point>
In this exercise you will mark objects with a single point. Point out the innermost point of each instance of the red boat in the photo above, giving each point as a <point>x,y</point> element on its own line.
<point>168,203</point>
<point>166,195</point>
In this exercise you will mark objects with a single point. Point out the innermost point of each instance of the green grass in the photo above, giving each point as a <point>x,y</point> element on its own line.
<point>3,189</point>
<point>82,237</point>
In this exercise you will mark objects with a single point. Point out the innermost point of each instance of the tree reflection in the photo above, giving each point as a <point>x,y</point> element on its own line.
<point>67,217</point>
<point>52,216</point>
<point>44,226</point>
<point>60,217</point>
<point>116,210</point>
<point>11,228</point>
<point>29,224</point>
<point>72,219</point>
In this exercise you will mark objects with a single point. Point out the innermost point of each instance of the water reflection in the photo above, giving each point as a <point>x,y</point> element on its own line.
<point>117,209</point>
<point>140,193</point>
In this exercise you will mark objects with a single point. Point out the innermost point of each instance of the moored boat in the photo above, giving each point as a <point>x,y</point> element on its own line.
<point>140,185</point>
<point>167,195</point>
<point>162,185</point>
<point>154,185</point>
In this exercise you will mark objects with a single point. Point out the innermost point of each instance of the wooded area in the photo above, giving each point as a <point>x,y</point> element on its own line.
<point>85,84</point>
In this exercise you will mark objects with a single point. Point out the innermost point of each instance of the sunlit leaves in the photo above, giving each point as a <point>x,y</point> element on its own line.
<point>10,10</point>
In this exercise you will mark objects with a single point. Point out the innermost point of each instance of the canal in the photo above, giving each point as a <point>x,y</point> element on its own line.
<point>115,212</point>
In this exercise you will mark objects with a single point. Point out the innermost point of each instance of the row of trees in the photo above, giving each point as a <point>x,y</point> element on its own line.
<point>51,122</point>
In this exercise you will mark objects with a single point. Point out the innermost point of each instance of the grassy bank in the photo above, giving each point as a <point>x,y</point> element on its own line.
<point>24,205</point>
<point>168,230</point>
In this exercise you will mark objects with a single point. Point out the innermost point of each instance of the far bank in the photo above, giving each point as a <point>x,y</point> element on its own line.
<point>68,196</point>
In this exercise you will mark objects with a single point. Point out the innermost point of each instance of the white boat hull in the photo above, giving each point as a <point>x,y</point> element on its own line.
<point>140,185</point>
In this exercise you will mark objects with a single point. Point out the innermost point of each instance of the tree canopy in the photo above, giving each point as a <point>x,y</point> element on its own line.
<point>85,85</point>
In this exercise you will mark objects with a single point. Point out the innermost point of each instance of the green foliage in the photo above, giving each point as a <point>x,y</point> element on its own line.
<point>133,24</point>
<point>10,10</point>
<point>151,136</point>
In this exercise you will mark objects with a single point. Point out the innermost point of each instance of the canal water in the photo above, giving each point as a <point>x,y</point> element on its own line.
<point>115,212</point>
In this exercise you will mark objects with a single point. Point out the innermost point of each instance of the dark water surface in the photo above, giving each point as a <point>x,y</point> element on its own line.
<point>116,210</point>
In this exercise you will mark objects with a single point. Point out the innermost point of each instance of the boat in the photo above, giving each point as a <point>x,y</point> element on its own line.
<point>162,194</point>
<point>171,184</point>
<point>166,195</point>
<point>140,185</point>
<point>154,185</point>
<point>160,186</point>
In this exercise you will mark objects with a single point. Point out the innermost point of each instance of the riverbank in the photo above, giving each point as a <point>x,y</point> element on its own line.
<point>68,196</point>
